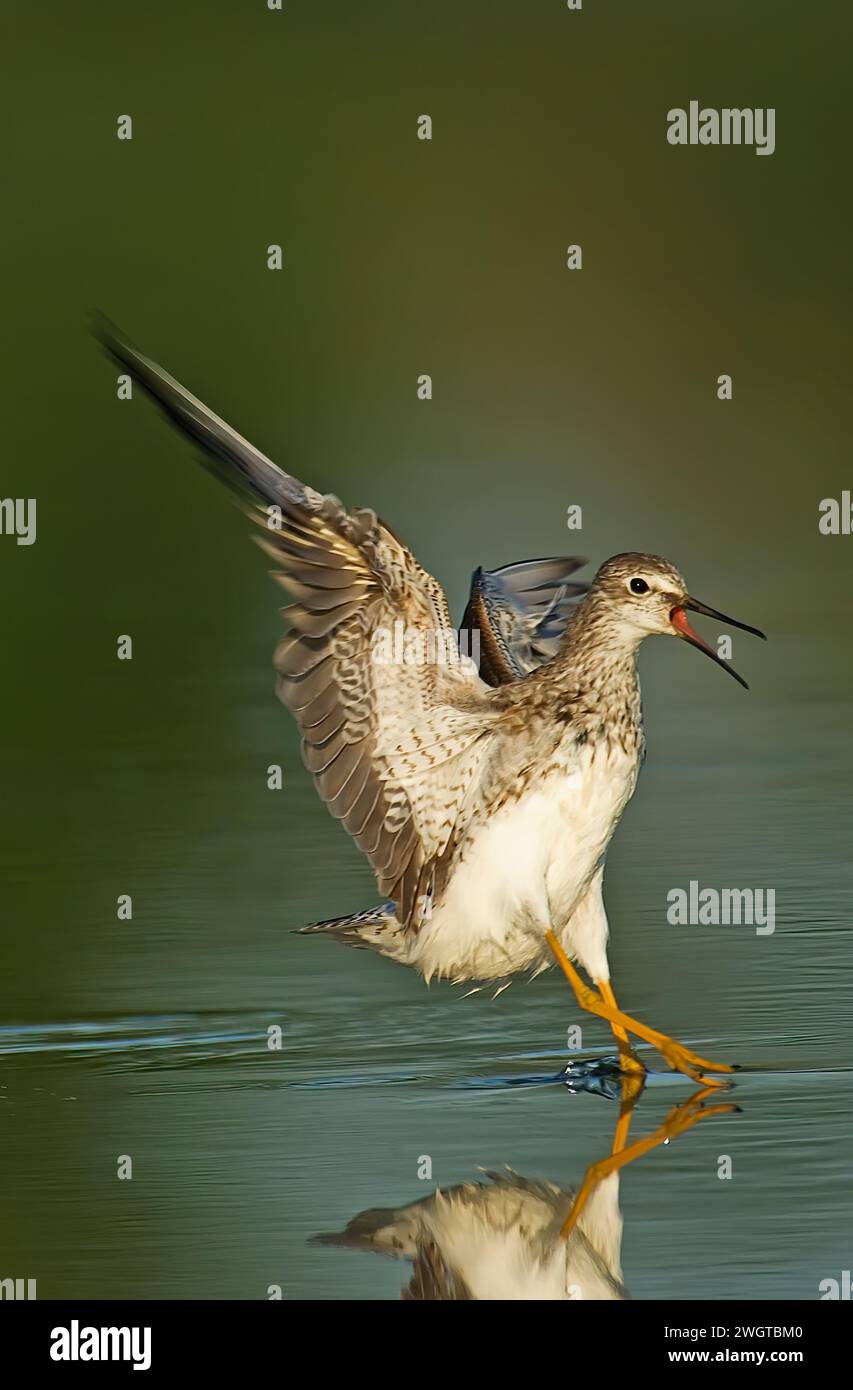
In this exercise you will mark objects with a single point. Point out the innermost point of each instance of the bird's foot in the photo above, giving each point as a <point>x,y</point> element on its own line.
<point>602,1003</point>
<point>680,1058</point>
<point>684,1116</point>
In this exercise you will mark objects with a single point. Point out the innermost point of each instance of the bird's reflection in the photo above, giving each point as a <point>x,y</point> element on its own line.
<point>509,1237</point>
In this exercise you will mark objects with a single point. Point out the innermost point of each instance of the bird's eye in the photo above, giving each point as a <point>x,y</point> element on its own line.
<point>639,586</point>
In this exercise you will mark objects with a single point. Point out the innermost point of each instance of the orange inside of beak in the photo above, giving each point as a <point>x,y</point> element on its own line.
<point>678,618</point>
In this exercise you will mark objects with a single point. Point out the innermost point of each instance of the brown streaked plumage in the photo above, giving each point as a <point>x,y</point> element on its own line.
<point>484,806</point>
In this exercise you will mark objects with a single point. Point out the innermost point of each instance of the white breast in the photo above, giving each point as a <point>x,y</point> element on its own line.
<point>524,870</point>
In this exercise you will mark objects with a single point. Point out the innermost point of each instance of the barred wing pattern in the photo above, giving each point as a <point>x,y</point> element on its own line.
<point>521,612</point>
<point>394,739</point>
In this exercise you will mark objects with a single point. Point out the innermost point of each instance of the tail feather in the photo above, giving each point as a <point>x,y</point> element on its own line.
<point>376,928</point>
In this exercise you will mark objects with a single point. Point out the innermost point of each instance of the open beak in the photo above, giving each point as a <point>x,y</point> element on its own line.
<point>678,618</point>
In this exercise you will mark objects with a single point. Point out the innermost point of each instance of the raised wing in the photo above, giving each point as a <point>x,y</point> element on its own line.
<point>395,724</point>
<point>519,614</point>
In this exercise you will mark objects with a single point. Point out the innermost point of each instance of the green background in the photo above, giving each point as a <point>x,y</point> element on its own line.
<point>551,388</point>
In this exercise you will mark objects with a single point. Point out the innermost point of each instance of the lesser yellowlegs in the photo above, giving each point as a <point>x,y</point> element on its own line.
<point>484,809</point>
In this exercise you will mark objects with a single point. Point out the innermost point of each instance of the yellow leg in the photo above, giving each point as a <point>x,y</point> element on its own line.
<point>679,1119</point>
<point>632,1085</point>
<point>628,1061</point>
<point>680,1058</point>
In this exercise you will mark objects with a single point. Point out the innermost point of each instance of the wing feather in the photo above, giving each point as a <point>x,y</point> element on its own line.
<point>519,613</point>
<point>395,739</point>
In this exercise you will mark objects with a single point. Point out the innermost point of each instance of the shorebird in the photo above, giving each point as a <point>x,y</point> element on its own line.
<point>507,1237</point>
<point>485,806</point>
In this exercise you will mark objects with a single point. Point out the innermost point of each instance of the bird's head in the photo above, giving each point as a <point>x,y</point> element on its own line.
<point>645,594</point>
